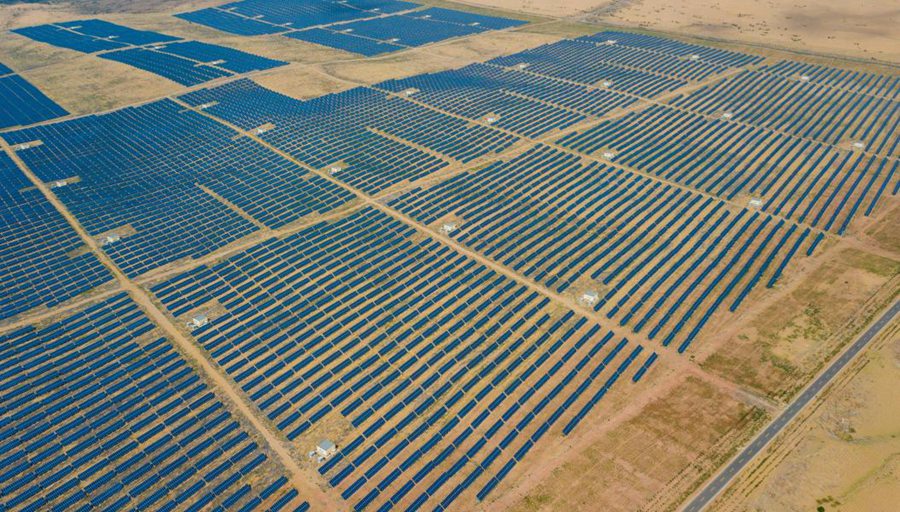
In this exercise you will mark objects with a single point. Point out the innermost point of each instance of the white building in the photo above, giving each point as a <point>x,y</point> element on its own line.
<point>199,321</point>
<point>325,449</point>
<point>590,297</point>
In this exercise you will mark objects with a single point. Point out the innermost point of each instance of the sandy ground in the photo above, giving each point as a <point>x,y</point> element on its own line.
<point>556,8</point>
<point>864,29</point>
<point>647,462</point>
<point>845,456</point>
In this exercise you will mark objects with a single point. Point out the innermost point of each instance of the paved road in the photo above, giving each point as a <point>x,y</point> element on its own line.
<point>722,480</point>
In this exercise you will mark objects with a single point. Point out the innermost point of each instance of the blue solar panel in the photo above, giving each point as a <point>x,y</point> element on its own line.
<point>103,413</point>
<point>408,31</point>
<point>177,69</point>
<point>110,31</point>
<point>466,18</point>
<point>22,103</point>
<point>185,62</point>
<point>40,264</point>
<point>139,169</point>
<point>346,41</point>
<point>229,22</point>
<point>58,36</point>
<point>221,56</point>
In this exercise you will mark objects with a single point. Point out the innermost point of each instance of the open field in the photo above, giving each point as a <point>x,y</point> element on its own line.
<point>842,455</point>
<point>862,30</point>
<point>523,267</point>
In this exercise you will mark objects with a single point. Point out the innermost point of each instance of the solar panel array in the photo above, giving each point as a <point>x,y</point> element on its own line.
<point>808,109</point>
<point>524,103</point>
<point>255,17</point>
<point>358,26</point>
<point>806,180</point>
<point>435,372</point>
<point>376,141</point>
<point>441,365</point>
<point>40,262</point>
<point>185,62</point>
<point>21,103</point>
<point>140,170</point>
<point>101,412</point>
<point>652,246</point>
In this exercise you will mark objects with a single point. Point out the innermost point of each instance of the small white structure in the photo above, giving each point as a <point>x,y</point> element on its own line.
<point>199,321</point>
<point>334,170</point>
<point>59,183</point>
<point>859,144</point>
<point>394,39</point>
<point>490,119</point>
<point>609,155</point>
<point>804,78</point>
<point>22,146</point>
<point>205,106</point>
<point>410,91</point>
<point>590,297</point>
<point>695,57</point>
<point>261,130</point>
<point>755,202</point>
<point>111,239</point>
<point>727,115</point>
<point>522,65</point>
<point>347,30</point>
<point>448,228</point>
<point>325,449</point>
<point>474,24</point>
<point>610,41</point>
<point>606,83</point>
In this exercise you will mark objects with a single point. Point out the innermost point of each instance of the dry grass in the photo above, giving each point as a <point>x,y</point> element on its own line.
<point>650,461</point>
<point>845,456</point>
<point>864,29</point>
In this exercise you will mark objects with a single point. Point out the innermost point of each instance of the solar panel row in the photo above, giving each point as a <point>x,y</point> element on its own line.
<point>186,62</point>
<point>854,81</point>
<point>436,373</point>
<point>102,413</point>
<point>652,246</point>
<point>429,355</point>
<point>527,104</point>
<point>809,181</point>
<point>21,103</point>
<point>354,26</point>
<point>40,261</point>
<point>372,138</point>
<point>676,48</point>
<point>805,109</point>
<point>139,170</point>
